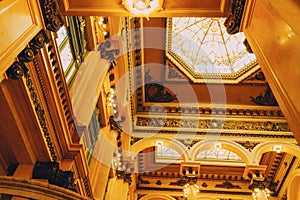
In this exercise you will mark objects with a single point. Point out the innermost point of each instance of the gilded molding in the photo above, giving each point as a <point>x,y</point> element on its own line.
<point>40,112</point>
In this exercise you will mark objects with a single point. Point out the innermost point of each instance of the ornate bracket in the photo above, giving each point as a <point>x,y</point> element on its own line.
<point>233,21</point>
<point>52,16</point>
<point>17,70</point>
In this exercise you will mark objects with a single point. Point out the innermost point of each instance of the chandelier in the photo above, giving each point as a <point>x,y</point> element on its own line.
<point>143,8</point>
<point>190,191</point>
<point>261,193</point>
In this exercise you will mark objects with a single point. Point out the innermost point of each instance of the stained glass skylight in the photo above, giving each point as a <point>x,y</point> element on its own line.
<point>204,45</point>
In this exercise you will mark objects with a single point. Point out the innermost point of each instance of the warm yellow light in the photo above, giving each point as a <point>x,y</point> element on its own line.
<point>159,143</point>
<point>143,8</point>
<point>277,148</point>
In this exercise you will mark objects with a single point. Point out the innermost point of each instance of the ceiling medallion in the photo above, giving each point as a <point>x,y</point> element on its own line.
<point>143,8</point>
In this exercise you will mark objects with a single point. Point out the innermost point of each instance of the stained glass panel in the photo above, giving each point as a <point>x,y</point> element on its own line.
<point>218,154</point>
<point>205,46</point>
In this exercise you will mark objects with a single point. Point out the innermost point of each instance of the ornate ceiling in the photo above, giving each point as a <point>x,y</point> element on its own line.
<point>188,118</point>
<point>204,51</point>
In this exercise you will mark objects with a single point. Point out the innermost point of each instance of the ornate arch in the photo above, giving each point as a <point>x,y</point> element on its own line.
<point>262,148</point>
<point>162,196</point>
<point>169,142</point>
<point>293,192</point>
<point>226,144</point>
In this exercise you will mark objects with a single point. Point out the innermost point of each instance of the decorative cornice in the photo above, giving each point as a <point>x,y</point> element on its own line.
<point>233,21</point>
<point>52,17</point>
<point>231,133</point>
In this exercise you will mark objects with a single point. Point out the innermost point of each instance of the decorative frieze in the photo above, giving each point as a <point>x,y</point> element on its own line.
<point>40,112</point>
<point>211,124</point>
<point>18,69</point>
<point>248,144</point>
<point>227,185</point>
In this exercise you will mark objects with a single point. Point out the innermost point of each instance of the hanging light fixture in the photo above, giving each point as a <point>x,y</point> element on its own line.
<point>261,193</point>
<point>260,190</point>
<point>143,8</point>
<point>190,191</point>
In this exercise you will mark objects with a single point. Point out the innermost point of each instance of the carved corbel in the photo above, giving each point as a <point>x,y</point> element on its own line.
<point>233,21</point>
<point>52,16</point>
<point>16,71</point>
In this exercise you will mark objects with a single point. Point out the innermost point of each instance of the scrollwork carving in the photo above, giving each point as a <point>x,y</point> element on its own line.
<point>227,185</point>
<point>158,93</point>
<point>16,70</point>
<point>233,21</point>
<point>266,99</point>
<point>52,16</point>
<point>212,124</point>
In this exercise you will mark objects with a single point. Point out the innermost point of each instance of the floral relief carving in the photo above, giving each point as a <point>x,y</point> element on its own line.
<point>212,124</point>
